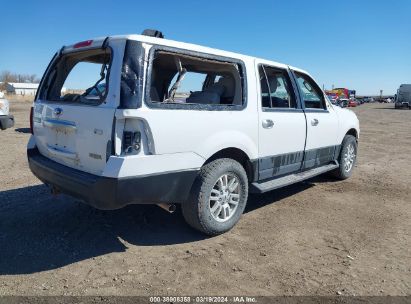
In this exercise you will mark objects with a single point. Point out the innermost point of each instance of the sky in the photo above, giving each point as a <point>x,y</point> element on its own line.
<point>363,45</point>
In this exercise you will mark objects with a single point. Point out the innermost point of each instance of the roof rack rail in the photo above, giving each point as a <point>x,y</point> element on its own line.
<point>153,33</point>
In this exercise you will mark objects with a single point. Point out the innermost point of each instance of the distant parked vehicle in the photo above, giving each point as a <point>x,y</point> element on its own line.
<point>343,102</point>
<point>358,102</point>
<point>6,120</point>
<point>352,103</point>
<point>333,100</point>
<point>403,97</point>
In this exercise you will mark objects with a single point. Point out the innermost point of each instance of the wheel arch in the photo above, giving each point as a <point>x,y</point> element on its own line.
<point>352,132</point>
<point>250,166</point>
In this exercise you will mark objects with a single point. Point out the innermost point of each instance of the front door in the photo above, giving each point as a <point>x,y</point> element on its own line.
<point>282,126</point>
<point>322,123</point>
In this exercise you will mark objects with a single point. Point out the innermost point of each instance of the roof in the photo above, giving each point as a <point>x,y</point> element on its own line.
<point>189,46</point>
<point>200,48</point>
<point>24,85</point>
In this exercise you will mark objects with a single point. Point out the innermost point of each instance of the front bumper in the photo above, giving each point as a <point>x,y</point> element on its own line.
<point>6,121</point>
<point>112,193</point>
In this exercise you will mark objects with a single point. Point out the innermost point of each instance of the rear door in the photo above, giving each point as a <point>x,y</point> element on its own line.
<point>74,113</point>
<point>322,123</point>
<point>282,125</point>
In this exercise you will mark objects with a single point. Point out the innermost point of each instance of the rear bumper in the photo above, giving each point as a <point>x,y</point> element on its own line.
<point>112,193</point>
<point>6,121</point>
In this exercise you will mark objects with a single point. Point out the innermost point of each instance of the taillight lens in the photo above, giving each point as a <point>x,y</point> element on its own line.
<point>31,120</point>
<point>131,142</point>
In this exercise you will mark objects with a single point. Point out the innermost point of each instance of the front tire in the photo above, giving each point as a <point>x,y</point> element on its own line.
<point>347,158</point>
<point>218,197</point>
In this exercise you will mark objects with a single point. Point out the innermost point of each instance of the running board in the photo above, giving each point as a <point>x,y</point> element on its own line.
<point>290,179</point>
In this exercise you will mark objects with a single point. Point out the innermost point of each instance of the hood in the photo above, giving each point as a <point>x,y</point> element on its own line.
<point>342,110</point>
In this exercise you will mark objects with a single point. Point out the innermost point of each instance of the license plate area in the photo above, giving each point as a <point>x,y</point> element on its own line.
<point>61,135</point>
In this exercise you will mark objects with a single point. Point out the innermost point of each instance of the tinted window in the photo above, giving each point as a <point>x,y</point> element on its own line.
<point>276,90</point>
<point>313,97</point>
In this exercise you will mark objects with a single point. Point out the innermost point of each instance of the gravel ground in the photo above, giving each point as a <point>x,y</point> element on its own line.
<point>320,237</point>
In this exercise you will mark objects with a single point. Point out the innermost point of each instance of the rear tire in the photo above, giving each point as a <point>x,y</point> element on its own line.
<point>218,197</point>
<point>347,158</point>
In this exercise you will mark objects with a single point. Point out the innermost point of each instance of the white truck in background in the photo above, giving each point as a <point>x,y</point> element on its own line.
<point>403,97</point>
<point>6,120</point>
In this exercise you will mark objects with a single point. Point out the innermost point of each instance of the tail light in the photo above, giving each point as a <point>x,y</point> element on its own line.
<point>31,120</point>
<point>131,142</point>
<point>82,44</point>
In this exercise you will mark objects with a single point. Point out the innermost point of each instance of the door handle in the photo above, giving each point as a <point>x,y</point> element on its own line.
<point>268,123</point>
<point>314,122</point>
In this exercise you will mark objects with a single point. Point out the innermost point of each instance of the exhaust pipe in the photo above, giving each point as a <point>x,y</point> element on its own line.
<point>170,208</point>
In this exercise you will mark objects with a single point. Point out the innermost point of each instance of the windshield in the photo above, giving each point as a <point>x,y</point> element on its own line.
<point>79,77</point>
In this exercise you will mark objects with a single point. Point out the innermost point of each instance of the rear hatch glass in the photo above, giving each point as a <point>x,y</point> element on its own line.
<point>73,116</point>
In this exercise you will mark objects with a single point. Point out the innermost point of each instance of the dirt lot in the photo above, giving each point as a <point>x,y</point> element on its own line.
<point>320,237</point>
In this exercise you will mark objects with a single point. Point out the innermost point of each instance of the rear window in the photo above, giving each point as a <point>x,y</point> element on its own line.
<point>79,77</point>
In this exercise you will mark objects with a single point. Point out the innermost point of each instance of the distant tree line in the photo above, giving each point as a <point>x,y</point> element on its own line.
<point>7,76</point>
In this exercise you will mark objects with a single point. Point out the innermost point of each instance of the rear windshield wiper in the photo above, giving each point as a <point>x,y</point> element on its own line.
<point>103,71</point>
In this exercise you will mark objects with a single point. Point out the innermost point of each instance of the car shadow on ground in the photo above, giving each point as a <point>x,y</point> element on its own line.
<point>40,232</point>
<point>256,201</point>
<point>394,109</point>
<point>23,130</point>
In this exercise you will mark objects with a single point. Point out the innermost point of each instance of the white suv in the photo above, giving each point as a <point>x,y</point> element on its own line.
<point>6,120</point>
<point>149,120</point>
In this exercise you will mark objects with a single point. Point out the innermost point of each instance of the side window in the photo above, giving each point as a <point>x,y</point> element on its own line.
<point>276,89</point>
<point>193,82</point>
<point>313,97</point>
<point>184,79</point>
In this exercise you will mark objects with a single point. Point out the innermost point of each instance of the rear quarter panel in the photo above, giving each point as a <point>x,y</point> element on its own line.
<point>205,132</point>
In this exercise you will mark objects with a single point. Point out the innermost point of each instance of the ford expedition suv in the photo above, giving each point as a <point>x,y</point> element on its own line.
<point>146,120</point>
